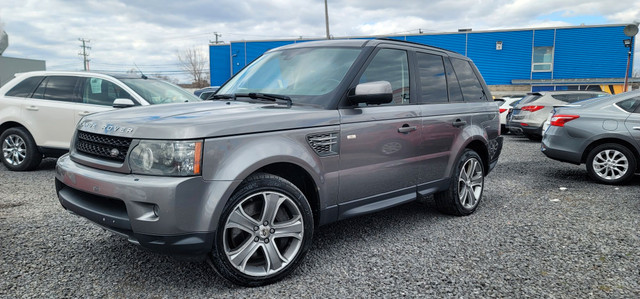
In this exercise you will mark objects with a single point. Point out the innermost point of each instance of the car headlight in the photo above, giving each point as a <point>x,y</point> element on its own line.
<point>166,157</point>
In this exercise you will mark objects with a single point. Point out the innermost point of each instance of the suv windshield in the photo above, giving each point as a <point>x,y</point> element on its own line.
<point>159,92</point>
<point>303,74</point>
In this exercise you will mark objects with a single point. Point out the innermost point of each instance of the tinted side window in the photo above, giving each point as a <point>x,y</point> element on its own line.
<point>101,92</point>
<point>25,88</point>
<point>433,83</point>
<point>630,105</point>
<point>471,87</point>
<point>392,66</point>
<point>61,88</point>
<point>455,94</point>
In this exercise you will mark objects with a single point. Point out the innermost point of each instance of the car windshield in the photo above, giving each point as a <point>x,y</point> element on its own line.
<point>159,92</point>
<point>303,74</point>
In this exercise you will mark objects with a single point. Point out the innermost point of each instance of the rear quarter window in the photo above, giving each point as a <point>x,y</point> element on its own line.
<point>469,83</point>
<point>25,88</point>
<point>630,105</point>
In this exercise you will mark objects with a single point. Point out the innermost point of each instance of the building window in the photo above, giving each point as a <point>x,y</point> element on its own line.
<point>542,59</point>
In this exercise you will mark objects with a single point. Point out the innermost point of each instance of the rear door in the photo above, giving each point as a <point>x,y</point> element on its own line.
<point>379,144</point>
<point>49,113</point>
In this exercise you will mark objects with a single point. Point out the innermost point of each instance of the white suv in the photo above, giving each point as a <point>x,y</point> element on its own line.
<point>39,110</point>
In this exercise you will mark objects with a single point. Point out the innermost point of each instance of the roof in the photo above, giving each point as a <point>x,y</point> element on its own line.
<point>81,73</point>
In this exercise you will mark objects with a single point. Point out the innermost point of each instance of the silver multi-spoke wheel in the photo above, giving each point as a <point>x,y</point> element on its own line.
<point>465,190</point>
<point>470,183</point>
<point>610,164</point>
<point>14,149</point>
<point>263,233</point>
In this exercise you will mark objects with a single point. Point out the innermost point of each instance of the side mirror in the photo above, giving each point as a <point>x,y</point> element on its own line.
<point>499,101</point>
<point>376,93</point>
<point>123,103</point>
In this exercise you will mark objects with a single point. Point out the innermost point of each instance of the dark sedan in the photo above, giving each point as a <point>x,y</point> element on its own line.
<point>603,133</point>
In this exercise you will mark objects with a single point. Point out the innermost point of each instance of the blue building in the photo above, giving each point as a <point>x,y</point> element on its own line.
<point>522,60</point>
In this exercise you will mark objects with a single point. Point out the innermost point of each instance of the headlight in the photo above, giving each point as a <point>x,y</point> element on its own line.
<point>166,157</point>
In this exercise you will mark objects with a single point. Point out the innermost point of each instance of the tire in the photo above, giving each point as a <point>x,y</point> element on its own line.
<point>468,174</point>
<point>611,163</point>
<point>19,150</point>
<point>249,250</point>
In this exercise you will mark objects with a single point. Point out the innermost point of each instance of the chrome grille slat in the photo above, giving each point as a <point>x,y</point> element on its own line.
<point>102,145</point>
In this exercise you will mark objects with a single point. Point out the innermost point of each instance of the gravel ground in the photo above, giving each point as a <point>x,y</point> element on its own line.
<point>543,230</point>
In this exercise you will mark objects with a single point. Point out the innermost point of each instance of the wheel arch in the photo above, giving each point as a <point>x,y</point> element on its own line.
<point>481,148</point>
<point>12,124</point>
<point>301,179</point>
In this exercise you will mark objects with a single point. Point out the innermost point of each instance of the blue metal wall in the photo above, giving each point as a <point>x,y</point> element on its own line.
<point>579,52</point>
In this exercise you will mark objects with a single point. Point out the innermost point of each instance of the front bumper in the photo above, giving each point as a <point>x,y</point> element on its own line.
<point>174,215</point>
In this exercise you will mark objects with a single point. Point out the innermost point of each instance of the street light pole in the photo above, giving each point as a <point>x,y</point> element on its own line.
<point>626,74</point>
<point>326,18</point>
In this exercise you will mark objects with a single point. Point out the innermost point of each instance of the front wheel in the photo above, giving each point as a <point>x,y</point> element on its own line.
<point>467,184</point>
<point>19,150</point>
<point>611,163</point>
<point>264,232</point>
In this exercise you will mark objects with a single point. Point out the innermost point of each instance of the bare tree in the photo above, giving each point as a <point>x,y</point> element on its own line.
<point>194,61</point>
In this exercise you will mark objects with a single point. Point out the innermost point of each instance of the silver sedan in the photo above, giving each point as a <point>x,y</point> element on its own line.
<point>603,133</point>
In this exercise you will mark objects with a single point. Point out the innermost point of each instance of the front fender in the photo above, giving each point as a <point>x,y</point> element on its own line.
<point>232,159</point>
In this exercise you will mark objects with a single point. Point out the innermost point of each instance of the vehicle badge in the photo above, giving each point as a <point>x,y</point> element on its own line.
<point>114,152</point>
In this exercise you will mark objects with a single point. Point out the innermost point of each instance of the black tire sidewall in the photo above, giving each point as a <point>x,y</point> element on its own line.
<point>449,200</point>
<point>614,146</point>
<point>33,156</point>
<point>253,184</point>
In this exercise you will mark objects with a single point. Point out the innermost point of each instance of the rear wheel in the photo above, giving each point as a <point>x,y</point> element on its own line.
<point>264,232</point>
<point>467,184</point>
<point>611,163</point>
<point>19,150</point>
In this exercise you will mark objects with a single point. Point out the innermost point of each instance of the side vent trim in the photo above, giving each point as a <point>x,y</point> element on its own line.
<point>324,144</point>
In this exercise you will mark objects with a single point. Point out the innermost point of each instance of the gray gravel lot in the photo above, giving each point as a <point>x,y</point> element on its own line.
<point>528,238</point>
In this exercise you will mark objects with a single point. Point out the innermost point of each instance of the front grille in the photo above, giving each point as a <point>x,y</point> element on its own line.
<point>324,144</point>
<point>103,146</point>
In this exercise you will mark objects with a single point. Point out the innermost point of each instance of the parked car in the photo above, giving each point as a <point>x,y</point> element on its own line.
<point>533,110</point>
<point>39,110</point>
<point>505,108</point>
<point>305,135</point>
<point>603,133</point>
<point>206,92</point>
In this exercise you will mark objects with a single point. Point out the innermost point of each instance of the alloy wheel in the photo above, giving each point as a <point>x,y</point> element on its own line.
<point>263,233</point>
<point>14,149</point>
<point>610,164</point>
<point>470,183</point>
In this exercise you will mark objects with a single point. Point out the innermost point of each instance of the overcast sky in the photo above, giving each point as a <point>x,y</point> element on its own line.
<point>150,33</point>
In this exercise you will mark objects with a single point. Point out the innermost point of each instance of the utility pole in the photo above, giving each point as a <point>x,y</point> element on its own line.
<point>217,41</point>
<point>84,53</point>
<point>326,18</point>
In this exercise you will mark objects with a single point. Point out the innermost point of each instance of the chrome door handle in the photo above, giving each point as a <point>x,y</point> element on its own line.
<point>407,129</point>
<point>32,108</point>
<point>459,123</point>
<point>636,128</point>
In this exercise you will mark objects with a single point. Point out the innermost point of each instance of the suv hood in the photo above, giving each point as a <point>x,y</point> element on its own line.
<point>204,119</point>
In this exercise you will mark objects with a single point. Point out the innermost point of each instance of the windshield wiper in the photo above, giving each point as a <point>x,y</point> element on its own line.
<point>222,96</point>
<point>266,96</point>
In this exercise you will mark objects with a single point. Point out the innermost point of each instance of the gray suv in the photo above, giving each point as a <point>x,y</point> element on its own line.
<point>306,135</point>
